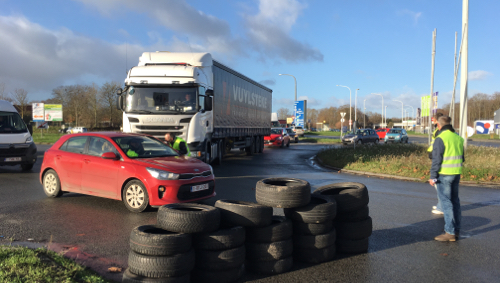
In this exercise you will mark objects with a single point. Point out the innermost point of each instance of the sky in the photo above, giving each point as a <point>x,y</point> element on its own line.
<point>376,46</point>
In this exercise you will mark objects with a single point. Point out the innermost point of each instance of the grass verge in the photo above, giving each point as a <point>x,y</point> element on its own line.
<point>21,264</point>
<point>328,133</point>
<point>46,138</point>
<point>320,140</point>
<point>411,160</point>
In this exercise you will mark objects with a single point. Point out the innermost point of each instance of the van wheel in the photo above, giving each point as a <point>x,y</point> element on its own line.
<point>135,196</point>
<point>27,167</point>
<point>51,184</point>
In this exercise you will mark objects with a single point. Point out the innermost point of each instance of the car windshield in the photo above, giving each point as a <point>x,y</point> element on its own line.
<point>381,131</point>
<point>360,132</point>
<point>290,131</point>
<point>150,100</point>
<point>276,131</point>
<point>144,147</point>
<point>11,122</point>
<point>394,131</point>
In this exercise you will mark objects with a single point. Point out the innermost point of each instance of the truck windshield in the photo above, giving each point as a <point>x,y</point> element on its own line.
<point>150,100</point>
<point>11,122</point>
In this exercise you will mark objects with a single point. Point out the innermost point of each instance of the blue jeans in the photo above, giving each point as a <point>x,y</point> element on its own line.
<point>447,189</point>
<point>438,205</point>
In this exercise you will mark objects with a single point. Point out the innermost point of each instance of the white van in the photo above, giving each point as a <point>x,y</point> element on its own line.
<point>16,144</point>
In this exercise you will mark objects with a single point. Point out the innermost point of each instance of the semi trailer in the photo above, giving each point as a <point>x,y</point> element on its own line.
<point>211,106</point>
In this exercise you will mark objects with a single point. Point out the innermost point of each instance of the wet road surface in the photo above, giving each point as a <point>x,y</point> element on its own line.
<point>402,248</point>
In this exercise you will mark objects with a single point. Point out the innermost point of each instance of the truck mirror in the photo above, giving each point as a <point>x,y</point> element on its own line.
<point>208,103</point>
<point>209,92</point>
<point>119,91</point>
<point>119,102</point>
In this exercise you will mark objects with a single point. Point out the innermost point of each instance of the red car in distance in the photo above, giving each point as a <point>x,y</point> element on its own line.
<point>279,137</point>
<point>381,132</point>
<point>139,170</point>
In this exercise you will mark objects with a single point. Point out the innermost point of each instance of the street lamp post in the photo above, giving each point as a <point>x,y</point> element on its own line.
<point>412,112</point>
<point>356,107</point>
<point>402,107</point>
<point>382,106</point>
<point>385,114</point>
<point>364,114</point>
<point>295,84</point>
<point>350,124</point>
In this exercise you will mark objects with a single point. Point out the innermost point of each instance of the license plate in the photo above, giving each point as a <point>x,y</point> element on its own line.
<point>12,159</point>
<point>199,188</point>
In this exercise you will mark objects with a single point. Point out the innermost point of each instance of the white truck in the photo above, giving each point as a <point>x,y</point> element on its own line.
<point>211,106</point>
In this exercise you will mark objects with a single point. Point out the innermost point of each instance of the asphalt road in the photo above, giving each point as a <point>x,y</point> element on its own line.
<point>402,248</point>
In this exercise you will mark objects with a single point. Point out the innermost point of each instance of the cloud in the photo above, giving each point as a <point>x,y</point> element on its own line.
<point>268,82</point>
<point>478,75</point>
<point>413,15</point>
<point>283,101</point>
<point>310,101</point>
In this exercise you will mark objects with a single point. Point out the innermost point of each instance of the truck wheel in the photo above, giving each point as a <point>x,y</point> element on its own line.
<point>250,150</point>
<point>261,150</point>
<point>218,159</point>
<point>207,154</point>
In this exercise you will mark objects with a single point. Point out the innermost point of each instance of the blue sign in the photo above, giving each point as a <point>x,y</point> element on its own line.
<point>299,113</point>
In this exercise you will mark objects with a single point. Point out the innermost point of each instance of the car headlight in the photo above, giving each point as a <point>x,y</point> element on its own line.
<point>211,169</point>
<point>29,139</point>
<point>398,137</point>
<point>162,175</point>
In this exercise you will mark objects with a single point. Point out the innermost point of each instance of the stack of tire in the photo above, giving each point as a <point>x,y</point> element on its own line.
<point>352,223</point>
<point>270,248</point>
<point>314,234</point>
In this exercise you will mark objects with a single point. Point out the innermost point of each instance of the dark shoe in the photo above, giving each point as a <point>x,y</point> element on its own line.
<point>446,238</point>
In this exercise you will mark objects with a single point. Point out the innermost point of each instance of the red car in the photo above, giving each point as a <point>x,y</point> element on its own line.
<point>381,132</point>
<point>139,170</point>
<point>279,137</point>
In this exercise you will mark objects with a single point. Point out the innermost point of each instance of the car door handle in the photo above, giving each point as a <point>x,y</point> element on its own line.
<point>87,160</point>
<point>58,156</point>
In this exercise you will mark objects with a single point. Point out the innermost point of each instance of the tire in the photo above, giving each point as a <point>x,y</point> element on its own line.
<point>283,192</point>
<point>242,213</point>
<point>151,240</point>
<point>52,184</point>
<point>27,167</point>
<point>353,216</point>
<point>188,218</point>
<point>296,140</point>
<point>352,246</point>
<point>344,143</point>
<point>406,140</point>
<point>349,196</point>
<point>376,141</point>
<point>218,160</point>
<point>226,276</point>
<point>206,159</point>
<point>300,228</point>
<point>315,255</point>
<point>135,196</point>
<point>282,145</point>
<point>269,251</point>
<point>354,230</point>
<point>129,277</point>
<point>270,267</point>
<point>220,260</point>
<point>279,230</point>
<point>161,266</point>
<point>250,150</point>
<point>261,150</point>
<point>359,142</point>
<point>314,241</point>
<point>256,145</point>
<point>321,209</point>
<point>222,239</point>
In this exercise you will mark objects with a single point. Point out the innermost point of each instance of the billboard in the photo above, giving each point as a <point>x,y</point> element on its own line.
<point>425,101</point>
<point>53,112</point>
<point>299,113</point>
<point>38,112</point>
<point>484,126</point>
<point>434,103</point>
<point>419,117</point>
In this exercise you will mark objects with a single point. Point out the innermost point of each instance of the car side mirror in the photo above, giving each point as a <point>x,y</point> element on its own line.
<point>110,155</point>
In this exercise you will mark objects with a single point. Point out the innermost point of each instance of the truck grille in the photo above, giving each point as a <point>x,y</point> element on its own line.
<point>13,152</point>
<point>186,194</point>
<point>166,128</point>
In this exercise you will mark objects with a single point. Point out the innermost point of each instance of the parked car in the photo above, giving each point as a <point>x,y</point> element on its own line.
<point>293,135</point>
<point>299,131</point>
<point>77,130</point>
<point>381,132</point>
<point>139,170</point>
<point>361,136</point>
<point>279,137</point>
<point>396,135</point>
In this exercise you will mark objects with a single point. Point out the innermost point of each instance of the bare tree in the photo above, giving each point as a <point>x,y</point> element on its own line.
<point>108,98</point>
<point>283,113</point>
<point>20,97</point>
<point>94,101</point>
<point>3,93</point>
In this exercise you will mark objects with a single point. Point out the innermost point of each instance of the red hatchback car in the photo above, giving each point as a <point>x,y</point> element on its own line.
<point>139,170</point>
<point>279,137</point>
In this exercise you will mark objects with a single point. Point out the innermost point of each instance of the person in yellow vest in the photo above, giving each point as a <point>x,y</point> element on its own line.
<point>177,143</point>
<point>447,162</point>
<point>437,208</point>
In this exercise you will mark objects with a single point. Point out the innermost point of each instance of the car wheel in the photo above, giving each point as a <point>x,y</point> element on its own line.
<point>282,144</point>
<point>376,141</point>
<point>406,140</point>
<point>359,142</point>
<point>26,167</point>
<point>296,140</point>
<point>51,184</point>
<point>135,196</point>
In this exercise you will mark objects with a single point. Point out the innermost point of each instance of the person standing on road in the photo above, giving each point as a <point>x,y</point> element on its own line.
<point>437,208</point>
<point>177,143</point>
<point>447,162</point>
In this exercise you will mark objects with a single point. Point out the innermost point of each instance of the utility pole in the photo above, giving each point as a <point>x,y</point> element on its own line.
<point>432,80</point>
<point>364,114</point>
<point>463,72</point>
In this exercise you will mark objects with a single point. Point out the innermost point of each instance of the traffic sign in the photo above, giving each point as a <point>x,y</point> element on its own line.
<point>342,114</point>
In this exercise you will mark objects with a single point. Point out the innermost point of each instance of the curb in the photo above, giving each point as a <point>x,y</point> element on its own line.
<point>409,179</point>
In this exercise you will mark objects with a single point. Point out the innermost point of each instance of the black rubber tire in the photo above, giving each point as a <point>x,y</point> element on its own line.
<point>243,213</point>
<point>221,239</point>
<point>315,255</point>
<point>250,150</point>
<point>320,241</point>
<point>152,240</point>
<point>296,140</point>
<point>357,215</point>
<point>280,229</point>
<point>270,267</point>
<point>188,218</point>
<point>261,144</point>
<point>352,246</point>
<point>319,210</point>
<point>27,167</point>
<point>220,260</point>
<point>354,230</point>
<point>161,266</point>
<point>218,159</point>
<point>349,196</point>
<point>206,158</point>
<point>131,195</point>
<point>51,184</point>
<point>269,251</point>
<point>301,228</point>
<point>256,145</point>
<point>359,142</point>
<point>376,142</point>
<point>225,276</point>
<point>283,192</point>
<point>129,277</point>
